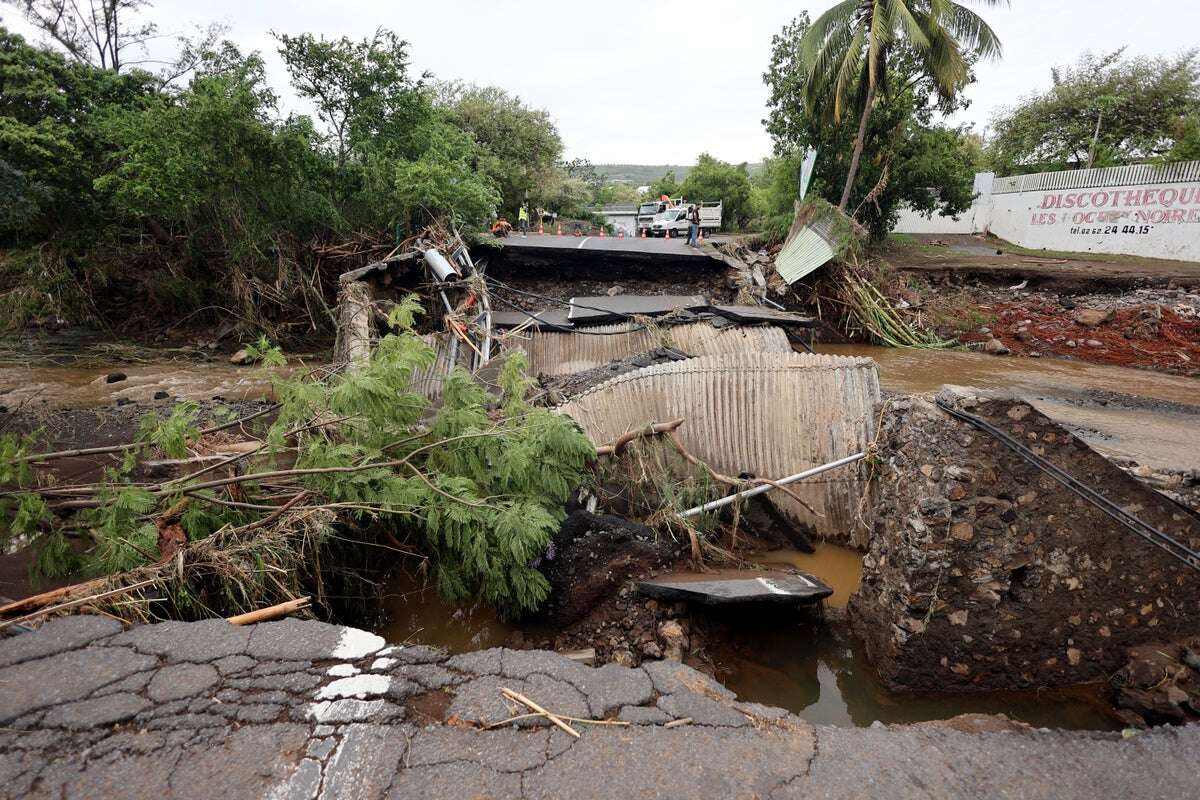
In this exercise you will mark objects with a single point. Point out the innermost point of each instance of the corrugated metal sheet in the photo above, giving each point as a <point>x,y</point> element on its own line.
<point>557,353</point>
<point>767,414</point>
<point>807,250</point>
<point>428,382</point>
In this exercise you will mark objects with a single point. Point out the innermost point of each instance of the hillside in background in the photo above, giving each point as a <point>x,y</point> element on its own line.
<point>641,174</point>
<point>645,174</point>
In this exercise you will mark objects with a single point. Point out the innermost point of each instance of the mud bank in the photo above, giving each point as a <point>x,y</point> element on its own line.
<point>303,709</point>
<point>985,573</point>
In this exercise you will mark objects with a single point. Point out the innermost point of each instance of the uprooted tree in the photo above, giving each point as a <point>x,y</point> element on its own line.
<point>353,460</point>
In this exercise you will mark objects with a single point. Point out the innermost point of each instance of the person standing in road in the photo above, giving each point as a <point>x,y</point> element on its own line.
<point>693,225</point>
<point>523,220</point>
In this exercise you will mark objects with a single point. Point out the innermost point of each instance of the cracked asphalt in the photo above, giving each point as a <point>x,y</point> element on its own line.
<point>301,709</point>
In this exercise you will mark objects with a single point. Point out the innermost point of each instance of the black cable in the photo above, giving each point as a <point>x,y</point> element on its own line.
<point>554,326</point>
<point>1148,532</point>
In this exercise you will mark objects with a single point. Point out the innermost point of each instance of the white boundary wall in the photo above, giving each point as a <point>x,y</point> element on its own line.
<point>1141,210</point>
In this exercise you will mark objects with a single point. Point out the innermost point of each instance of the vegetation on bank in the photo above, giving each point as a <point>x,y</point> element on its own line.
<point>135,198</point>
<point>349,462</point>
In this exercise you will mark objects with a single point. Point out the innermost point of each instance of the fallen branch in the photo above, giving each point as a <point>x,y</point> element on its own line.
<point>46,598</point>
<point>73,603</point>
<point>618,445</point>
<point>271,612</point>
<point>519,717</point>
<point>525,701</point>
<point>737,483</point>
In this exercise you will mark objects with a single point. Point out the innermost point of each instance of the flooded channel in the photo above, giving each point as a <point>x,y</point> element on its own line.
<point>792,660</point>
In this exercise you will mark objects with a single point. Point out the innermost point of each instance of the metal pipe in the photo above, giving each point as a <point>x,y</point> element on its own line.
<point>442,269</point>
<point>766,487</point>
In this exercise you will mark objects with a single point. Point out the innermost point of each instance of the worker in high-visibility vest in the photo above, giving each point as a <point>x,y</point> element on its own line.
<point>523,220</point>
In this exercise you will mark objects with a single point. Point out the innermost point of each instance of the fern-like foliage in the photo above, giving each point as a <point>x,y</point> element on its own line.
<point>265,353</point>
<point>170,435</point>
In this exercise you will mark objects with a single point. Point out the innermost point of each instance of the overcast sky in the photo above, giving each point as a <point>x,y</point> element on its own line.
<point>660,81</point>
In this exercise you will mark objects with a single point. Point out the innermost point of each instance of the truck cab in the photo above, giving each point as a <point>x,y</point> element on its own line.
<point>675,220</point>
<point>647,212</point>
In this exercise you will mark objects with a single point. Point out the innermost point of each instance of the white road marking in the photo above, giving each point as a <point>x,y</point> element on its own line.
<point>581,244</point>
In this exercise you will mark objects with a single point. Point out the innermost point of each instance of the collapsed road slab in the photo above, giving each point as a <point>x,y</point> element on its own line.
<point>754,588</point>
<point>594,310</point>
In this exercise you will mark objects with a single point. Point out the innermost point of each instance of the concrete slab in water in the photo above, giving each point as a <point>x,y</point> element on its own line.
<point>777,589</point>
<point>603,309</point>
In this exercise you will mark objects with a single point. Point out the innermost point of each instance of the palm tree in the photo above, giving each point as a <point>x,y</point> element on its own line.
<point>846,51</point>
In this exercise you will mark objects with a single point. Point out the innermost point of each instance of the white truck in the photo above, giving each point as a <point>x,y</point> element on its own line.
<point>647,211</point>
<point>675,220</point>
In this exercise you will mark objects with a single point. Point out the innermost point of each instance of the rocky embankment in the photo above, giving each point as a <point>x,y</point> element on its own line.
<point>297,709</point>
<point>984,572</point>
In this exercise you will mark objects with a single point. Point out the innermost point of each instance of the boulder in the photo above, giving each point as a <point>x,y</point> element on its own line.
<point>1092,317</point>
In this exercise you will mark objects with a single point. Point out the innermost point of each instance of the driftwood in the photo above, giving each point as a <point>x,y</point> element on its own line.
<point>271,612</point>
<point>525,701</point>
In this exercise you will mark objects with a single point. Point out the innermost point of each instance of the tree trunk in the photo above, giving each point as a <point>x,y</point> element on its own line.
<point>1095,140</point>
<point>353,346</point>
<point>859,141</point>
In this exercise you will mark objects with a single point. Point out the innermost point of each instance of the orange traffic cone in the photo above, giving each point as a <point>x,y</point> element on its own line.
<point>668,233</point>
<point>560,229</point>
<point>602,233</point>
<point>643,233</point>
<point>541,229</point>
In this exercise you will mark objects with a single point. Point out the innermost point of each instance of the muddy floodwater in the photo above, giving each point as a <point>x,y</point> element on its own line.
<point>918,371</point>
<point>1147,417</point>
<point>794,660</point>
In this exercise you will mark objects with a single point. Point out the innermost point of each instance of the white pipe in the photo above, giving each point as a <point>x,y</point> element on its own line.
<point>766,487</point>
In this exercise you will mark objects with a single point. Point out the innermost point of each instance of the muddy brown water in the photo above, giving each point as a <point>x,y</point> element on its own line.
<point>921,371</point>
<point>35,387</point>
<point>790,660</point>
<point>1147,417</point>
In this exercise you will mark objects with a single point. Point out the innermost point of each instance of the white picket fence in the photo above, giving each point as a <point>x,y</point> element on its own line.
<point>1178,172</point>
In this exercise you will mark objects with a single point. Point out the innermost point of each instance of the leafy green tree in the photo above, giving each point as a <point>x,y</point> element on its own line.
<point>519,147</point>
<point>226,184</point>
<point>712,180</point>
<point>362,90</point>
<point>613,193</point>
<point>665,185</point>
<point>51,146</point>
<point>1185,137</point>
<point>900,129</point>
<point>844,55</point>
<point>1105,109</point>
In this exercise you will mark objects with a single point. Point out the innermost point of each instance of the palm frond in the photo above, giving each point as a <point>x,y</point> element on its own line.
<point>900,13</point>
<point>971,31</point>
<point>840,16</point>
